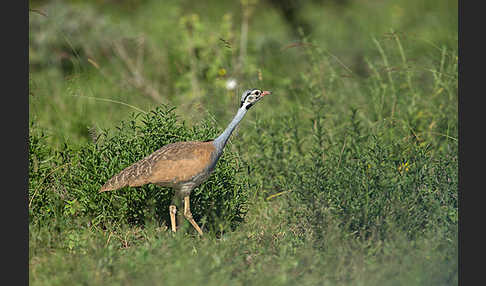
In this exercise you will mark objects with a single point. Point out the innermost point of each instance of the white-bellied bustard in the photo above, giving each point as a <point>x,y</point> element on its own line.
<point>182,165</point>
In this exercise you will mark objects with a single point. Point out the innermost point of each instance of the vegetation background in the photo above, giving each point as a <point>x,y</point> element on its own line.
<point>346,175</point>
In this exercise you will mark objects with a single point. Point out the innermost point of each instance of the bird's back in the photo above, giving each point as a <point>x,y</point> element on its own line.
<point>170,165</point>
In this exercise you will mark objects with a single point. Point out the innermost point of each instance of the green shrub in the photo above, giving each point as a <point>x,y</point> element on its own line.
<point>219,202</point>
<point>47,167</point>
<point>374,173</point>
<point>377,186</point>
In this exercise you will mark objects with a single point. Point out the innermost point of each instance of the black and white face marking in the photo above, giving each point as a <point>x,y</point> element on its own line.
<point>251,96</point>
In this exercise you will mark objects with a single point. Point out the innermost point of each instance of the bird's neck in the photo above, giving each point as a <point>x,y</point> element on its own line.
<point>222,139</point>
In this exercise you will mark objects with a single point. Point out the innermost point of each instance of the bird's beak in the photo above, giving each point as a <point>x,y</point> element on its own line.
<point>265,92</point>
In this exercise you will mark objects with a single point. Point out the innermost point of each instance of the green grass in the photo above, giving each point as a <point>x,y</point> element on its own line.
<point>263,251</point>
<point>346,175</point>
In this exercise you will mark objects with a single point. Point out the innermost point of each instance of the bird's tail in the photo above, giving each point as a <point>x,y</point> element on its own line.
<point>130,176</point>
<point>114,183</point>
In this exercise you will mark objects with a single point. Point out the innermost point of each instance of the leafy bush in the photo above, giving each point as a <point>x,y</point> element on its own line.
<point>46,169</point>
<point>378,186</point>
<point>373,173</point>
<point>218,203</point>
<point>365,184</point>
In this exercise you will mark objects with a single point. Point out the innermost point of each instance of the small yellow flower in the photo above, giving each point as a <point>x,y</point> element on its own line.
<point>403,167</point>
<point>222,72</point>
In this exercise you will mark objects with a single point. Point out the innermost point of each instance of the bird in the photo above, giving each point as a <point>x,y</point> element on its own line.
<point>182,165</point>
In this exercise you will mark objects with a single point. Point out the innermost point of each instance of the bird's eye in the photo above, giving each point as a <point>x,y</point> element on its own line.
<point>257,92</point>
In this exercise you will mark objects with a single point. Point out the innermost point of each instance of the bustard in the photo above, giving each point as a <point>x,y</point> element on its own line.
<point>182,165</point>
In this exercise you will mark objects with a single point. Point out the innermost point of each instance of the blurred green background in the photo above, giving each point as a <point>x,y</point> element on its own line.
<point>93,62</point>
<point>345,175</point>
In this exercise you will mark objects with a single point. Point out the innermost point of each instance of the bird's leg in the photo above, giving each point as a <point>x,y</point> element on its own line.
<point>179,216</point>
<point>172,213</point>
<point>188,215</point>
<point>176,218</point>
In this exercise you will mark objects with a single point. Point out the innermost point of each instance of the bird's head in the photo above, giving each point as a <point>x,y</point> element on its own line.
<point>251,96</point>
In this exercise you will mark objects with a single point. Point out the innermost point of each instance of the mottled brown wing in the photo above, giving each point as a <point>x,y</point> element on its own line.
<point>181,163</point>
<point>173,163</point>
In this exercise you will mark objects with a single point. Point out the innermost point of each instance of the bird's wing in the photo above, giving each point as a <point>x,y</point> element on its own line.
<point>176,162</point>
<point>180,162</point>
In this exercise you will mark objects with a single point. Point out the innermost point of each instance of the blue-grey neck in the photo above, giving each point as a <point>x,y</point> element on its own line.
<point>222,139</point>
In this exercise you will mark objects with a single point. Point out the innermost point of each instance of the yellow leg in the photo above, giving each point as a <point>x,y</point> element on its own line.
<point>172,213</point>
<point>188,215</point>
